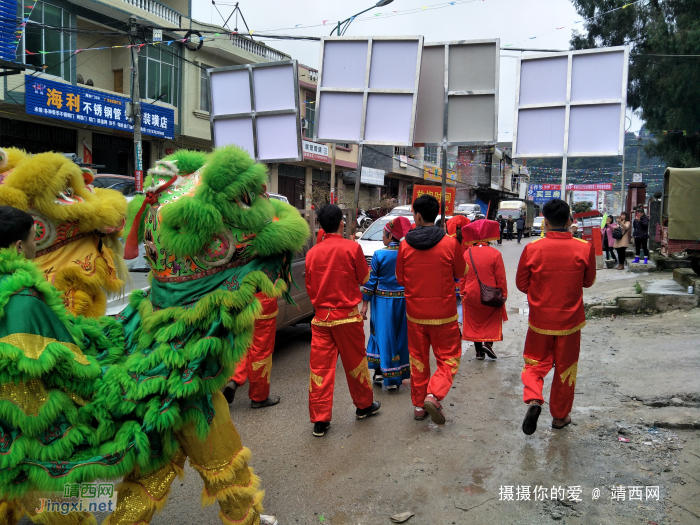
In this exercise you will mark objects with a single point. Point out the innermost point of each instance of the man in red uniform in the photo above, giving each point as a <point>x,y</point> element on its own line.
<point>427,265</point>
<point>553,271</point>
<point>335,269</point>
<point>256,366</point>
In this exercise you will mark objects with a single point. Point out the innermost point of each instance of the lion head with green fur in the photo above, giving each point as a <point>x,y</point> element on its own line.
<point>213,214</point>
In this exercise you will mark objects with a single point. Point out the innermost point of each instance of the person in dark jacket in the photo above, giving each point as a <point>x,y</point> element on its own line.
<point>640,232</point>
<point>501,226</point>
<point>520,227</point>
<point>509,227</point>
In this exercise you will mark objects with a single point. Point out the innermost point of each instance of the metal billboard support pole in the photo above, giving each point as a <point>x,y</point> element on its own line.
<point>444,186</point>
<point>332,199</point>
<point>564,162</point>
<point>357,184</point>
<point>622,184</point>
<point>136,105</point>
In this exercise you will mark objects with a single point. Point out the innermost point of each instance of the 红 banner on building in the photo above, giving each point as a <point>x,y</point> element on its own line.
<point>436,191</point>
<point>58,100</point>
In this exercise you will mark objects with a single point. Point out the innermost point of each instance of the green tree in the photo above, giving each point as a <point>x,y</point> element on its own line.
<point>581,207</point>
<point>664,89</point>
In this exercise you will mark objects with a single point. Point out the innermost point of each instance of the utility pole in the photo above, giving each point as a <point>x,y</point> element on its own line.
<point>136,102</point>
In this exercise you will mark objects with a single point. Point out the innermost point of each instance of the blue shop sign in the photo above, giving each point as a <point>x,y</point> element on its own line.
<point>537,194</point>
<point>48,98</point>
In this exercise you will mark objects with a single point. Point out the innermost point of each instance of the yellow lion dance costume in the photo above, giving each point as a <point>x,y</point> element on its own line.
<point>77,226</point>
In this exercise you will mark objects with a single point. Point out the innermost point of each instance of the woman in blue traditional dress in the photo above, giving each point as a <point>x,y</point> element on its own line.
<point>387,351</point>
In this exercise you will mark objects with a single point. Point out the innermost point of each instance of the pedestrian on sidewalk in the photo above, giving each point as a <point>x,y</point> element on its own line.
<point>553,273</point>
<point>520,227</point>
<point>509,227</point>
<point>640,232</point>
<point>501,227</point>
<point>623,242</point>
<point>608,240</point>
<point>256,365</point>
<point>483,324</point>
<point>335,270</point>
<point>387,350</point>
<point>427,264</point>
<point>454,229</point>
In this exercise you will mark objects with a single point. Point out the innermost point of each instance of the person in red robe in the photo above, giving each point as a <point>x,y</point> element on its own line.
<point>553,271</point>
<point>427,264</point>
<point>256,366</point>
<point>454,229</point>
<point>335,270</point>
<point>482,324</point>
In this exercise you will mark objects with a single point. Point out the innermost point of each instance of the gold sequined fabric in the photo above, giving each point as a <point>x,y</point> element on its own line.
<point>29,396</point>
<point>34,345</point>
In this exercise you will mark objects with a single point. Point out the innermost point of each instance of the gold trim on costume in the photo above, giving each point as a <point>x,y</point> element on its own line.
<point>580,240</point>
<point>313,378</point>
<point>362,372</point>
<point>433,321</point>
<point>34,345</point>
<point>453,363</point>
<point>29,396</point>
<point>557,332</point>
<point>366,278</point>
<point>417,364</point>
<point>531,362</point>
<point>571,374</point>
<point>268,316</point>
<point>357,319</point>
<point>266,365</point>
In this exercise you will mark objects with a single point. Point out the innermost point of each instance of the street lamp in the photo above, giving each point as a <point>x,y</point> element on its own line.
<point>347,21</point>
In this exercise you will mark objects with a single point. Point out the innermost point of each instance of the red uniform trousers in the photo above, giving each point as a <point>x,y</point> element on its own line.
<point>256,365</point>
<point>541,353</point>
<point>327,342</point>
<point>447,348</point>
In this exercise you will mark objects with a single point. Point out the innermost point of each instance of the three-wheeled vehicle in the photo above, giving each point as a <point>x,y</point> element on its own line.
<point>680,215</point>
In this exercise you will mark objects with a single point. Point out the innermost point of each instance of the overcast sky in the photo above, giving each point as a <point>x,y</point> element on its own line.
<point>513,21</point>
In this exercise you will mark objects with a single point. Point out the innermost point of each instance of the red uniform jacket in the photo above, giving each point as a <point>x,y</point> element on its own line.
<point>553,271</point>
<point>335,269</point>
<point>428,277</point>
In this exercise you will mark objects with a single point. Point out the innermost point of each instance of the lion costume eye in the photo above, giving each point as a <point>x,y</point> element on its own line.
<point>246,201</point>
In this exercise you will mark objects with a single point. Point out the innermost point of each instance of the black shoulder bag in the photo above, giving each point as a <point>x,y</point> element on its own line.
<point>490,295</point>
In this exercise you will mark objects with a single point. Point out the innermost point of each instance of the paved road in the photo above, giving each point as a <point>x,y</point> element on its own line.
<point>362,472</point>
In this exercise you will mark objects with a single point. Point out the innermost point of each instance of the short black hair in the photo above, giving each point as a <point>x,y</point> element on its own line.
<point>427,206</point>
<point>330,217</point>
<point>15,225</point>
<point>557,213</point>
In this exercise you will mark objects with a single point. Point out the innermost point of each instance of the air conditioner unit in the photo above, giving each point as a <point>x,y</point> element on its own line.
<point>304,123</point>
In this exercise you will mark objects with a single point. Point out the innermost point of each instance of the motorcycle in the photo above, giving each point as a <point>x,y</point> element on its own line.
<point>363,220</point>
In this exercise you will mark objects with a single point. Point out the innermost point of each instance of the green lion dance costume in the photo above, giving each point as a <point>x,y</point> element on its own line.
<point>137,395</point>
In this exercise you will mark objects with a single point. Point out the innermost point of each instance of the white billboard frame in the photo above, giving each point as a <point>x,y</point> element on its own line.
<point>447,93</point>
<point>567,104</point>
<point>366,90</point>
<point>253,114</point>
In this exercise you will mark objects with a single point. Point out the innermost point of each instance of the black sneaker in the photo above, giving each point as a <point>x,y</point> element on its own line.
<point>320,428</point>
<point>362,413</point>
<point>488,350</point>
<point>230,391</point>
<point>270,401</point>
<point>531,417</point>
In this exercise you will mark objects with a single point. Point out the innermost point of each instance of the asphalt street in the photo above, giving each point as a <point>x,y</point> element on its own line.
<point>363,472</point>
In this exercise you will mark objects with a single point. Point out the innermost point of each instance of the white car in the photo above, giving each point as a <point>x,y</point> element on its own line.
<point>371,240</point>
<point>402,210</point>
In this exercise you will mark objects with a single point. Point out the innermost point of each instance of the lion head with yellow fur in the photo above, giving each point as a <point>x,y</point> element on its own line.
<point>77,226</point>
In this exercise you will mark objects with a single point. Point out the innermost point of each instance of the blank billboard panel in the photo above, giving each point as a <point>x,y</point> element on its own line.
<point>463,88</point>
<point>543,81</point>
<point>256,106</point>
<point>597,77</point>
<point>541,131</point>
<point>580,94</point>
<point>367,90</point>
<point>430,110</point>
<point>471,119</point>
<point>594,128</point>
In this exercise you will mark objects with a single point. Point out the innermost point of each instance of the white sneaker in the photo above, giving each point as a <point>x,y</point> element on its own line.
<point>268,520</point>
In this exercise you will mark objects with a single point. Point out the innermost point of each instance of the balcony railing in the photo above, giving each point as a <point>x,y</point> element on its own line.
<point>157,9</point>
<point>257,48</point>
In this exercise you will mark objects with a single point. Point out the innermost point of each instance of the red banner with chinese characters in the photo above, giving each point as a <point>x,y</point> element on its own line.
<point>436,191</point>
